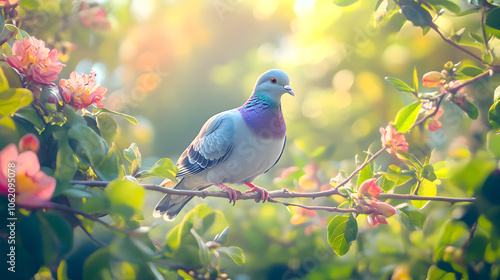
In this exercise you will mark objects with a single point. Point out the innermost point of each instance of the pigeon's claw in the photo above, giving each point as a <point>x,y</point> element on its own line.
<point>232,193</point>
<point>264,194</point>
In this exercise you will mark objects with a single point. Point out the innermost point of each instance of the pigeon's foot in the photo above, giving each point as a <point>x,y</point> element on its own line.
<point>233,194</point>
<point>264,194</point>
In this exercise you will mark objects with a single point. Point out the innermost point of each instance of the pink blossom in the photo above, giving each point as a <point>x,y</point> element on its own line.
<point>381,211</point>
<point>433,79</point>
<point>369,187</point>
<point>33,59</point>
<point>433,123</point>
<point>29,142</point>
<point>393,141</point>
<point>20,174</point>
<point>93,17</point>
<point>80,91</point>
<point>4,3</point>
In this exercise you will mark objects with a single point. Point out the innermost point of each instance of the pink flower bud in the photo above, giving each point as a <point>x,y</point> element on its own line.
<point>433,79</point>
<point>381,219</point>
<point>29,142</point>
<point>369,187</point>
<point>385,209</point>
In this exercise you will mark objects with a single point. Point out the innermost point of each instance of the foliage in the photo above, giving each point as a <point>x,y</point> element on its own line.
<point>392,223</point>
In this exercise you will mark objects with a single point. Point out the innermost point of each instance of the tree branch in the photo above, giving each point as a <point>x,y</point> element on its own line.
<point>451,200</point>
<point>435,28</point>
<point>284,193</point>
<point>62,208</point>
<point>324,208</point>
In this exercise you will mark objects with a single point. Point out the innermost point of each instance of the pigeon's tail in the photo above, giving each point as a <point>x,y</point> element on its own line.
<point>170,205</point>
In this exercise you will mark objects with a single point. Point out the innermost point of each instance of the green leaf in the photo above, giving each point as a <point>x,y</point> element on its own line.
<point>97,203</point>
<point>493,18</point>
<point>399,85</point>
<point>108,168</point>
<point>494,115</point>
<point>66,166</point>
<point>12,76</point>
<point>184,275</point>
<point>342,231</point>
<point>62,232</point>
<point>457,36</point>
<point>451,233</point>
<point>29,114</point>
<point>126,198</point>
<point>13,99</point>
<point>235,253</point>
<point>428,173</point>
<point>384,11</point>
<point>91,144</point>
<point>493,143</point>
<point>416,14</point>
<point>162,168</point>
<point>365,174</point>
<point>29,4</point>
<point>23,34</point>
<point>411,161</point>
<point>132,249</point>
<point>470,71</point>
<point>344,3</point>
<point>204,252</point>
<point>193,219</point>
<point>427,188</point>
<point>434,273</point>
<point>496,94</point>
<point>57,236</point>
<point>411,217</point>
<point>221,238</point>
<point>133,155</point>
<point>471,176</point>
<point>467,106</point>
<point>479,40</point>
<point>98,266</point>
<point>127,117</point>
<point>393,177</point>
<point>407,116</point>
<point>108,128</point>
<point>62,271</point>
<point>441,169</point>
<point>447,4</point>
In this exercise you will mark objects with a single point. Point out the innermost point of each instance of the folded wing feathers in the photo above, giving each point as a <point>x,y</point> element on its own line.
<point>211,146</point>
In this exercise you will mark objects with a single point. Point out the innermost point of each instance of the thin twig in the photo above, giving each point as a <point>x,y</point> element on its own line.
<point>471,235</point>
<point>323,208</point>
<point>451,90</point>
<point>452,200</point>
<point>59,207</point>
<point>284,193</point>
<point>435,28</point>
<point>100,243</point>
<point>483,31</point>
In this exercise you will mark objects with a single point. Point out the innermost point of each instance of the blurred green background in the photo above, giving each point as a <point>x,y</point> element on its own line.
<point>173,64</point>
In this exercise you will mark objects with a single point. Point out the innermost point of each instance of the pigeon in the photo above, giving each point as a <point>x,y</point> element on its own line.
<point>234,147</point>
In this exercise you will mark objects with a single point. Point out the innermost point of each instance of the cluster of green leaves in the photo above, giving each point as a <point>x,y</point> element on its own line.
<point>467,246</point>
<point>80,145</point>
<point>184,253</point>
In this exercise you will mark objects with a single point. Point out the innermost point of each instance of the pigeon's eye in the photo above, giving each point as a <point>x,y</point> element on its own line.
<point>273,80</point>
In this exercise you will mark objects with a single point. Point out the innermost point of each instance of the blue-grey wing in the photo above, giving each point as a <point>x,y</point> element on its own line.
<point>212,145</point>
<point>282,149</point>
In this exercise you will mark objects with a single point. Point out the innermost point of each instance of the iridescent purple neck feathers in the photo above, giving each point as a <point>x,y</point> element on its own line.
<point>263,116</point>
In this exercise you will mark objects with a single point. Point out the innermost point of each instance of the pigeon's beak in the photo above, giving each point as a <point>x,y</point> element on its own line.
<point>288,89</point>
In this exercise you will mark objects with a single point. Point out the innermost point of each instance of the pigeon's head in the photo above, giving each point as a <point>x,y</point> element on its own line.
<point>274,83</point>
